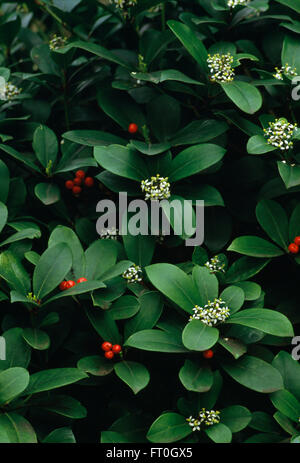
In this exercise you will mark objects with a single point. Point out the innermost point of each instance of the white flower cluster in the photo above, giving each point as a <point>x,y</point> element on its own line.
<point>133,274</point>
<point>110,233</point>
<point>220,67</point>
<point>279,134</point>
<point>156,188</point>
<point>286,69</point>
<point>208,417</point>
<point>234,3</point>
<point>57,42</point>
<point>212,313</point>
<point>123,4</point>
<point>215,265</point>
<point>9,91</point>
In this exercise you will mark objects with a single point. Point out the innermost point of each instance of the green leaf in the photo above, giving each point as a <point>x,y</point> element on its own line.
<point>60,436</point>
<point>156,341</point>
<point>48,193</point>
<point>12,383</point>
<point>199,131</point>
<point>63,405</point>
<point>198,336</point>
<point>111,437</point>
<point>255,374</point>
<point>169,427</point>
<point>293,4</point>
<point>244,95</point>
<point>287,404</point>
<point>234,346</point>
<point>139,248</point>
<point>45,145</point>
<point>234,298</point>
<point>257,144</point>
<point>294,225</point>
<point>105,325</point>
<point>255,246</point>
<point>289,369</point>
<point>101,250</point>
<point>17,350</point>
<point>161,76</point>
<point>17,429</point>
<point>175,284</point>
<point>289,174</point>
<point>37,339</point>
<point>95,50</point>
<point>194,160</point>
<point>244,268</point>
<point>121,160</point>
<point>92,138</point>
<point>3,216</point>
<point>134,374</point>
<point>79,288</point>
<point>4,182</point>
<point>124,307</point>
<point>191,42</point>
<point>219,433</point>
<point>290,50</point>
<point>47,380</point>
<point>66,235</point>
<point>164,114</point>
<point>51,269</point>
<point>268,321</point>
<point>151,306</point>
<point>13,272</point>
<point>95,365</point>
<point>195,378</point>
<point>273,219</point>
<point>20,157</point>
<point>207,284</point>
<point>28,233</point>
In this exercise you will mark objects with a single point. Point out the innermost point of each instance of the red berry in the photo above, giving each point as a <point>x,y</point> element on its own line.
<point>116,348</point>
<point>133,128</point>
<point>109,354</point>
<point>77,181</point>
<point>297,240</point>
<point>293,248</point>
<point>81,280</point>
<point>80,174</point>
<point>76,190</point>
<point>69,184</point>
<point>63,285</point>
<point>89,182</point>
<point>70,284</point>
<point>106,346</point>
<point>208,354</point>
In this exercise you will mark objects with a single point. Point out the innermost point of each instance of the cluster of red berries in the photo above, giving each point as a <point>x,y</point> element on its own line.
<point>70,283</point>
<point>76,184</point>
<point>294,247</point>
<point>110,350</point>
<point>208,354</point>
<point>132,128</point>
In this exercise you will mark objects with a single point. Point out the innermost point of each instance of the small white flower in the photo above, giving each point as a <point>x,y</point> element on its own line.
<point>234,3</point>
<point>215,265</point>
<point>208,417</point>
<point>123,4</point>
<point>110,233</point>
<point>133,274</point>
<point>156,188</point>
<point>286,69</point>
<point>9,91</point>
<point>220,67</point>
<point>279,134</point>
<point>57,42</point>
<point>212,313</point>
